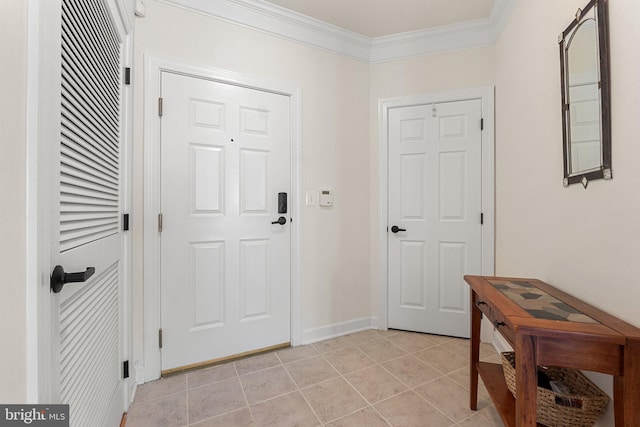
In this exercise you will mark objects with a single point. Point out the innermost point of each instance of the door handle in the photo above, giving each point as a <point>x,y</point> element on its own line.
<point>282,221</point>
<point>395,229</point>
<point>59,277</point>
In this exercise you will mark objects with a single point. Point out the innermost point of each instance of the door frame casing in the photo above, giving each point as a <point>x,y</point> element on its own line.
<point>154,66</point>
<point>486,96</point>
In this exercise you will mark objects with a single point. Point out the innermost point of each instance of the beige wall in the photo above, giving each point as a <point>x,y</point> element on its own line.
<point>435,73</point>
<point>334,247</point>
<point>583,241</point>
<point>13,330</point>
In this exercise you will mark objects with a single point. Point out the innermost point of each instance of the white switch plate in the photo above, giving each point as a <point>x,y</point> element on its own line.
<point>311,198</point>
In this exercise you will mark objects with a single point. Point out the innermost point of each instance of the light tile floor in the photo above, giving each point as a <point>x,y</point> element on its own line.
<point>371,378</point>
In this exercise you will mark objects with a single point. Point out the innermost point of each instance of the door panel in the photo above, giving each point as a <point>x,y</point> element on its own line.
<point>452,189</point>
<point>225,270</point>
<point>89,348</point>
<point>412,186</point>
<point>207,190</point>
<point>87,345</point>
<point>209,283</point>
<point>435,195</point>
<point>253,181</point>
<point>412,275</point>
<point>452,267</point>
<point>254,279</point>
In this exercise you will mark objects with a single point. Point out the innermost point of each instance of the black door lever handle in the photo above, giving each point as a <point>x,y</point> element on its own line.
<point>59,277</point>
<point>395,229</point>
<point>282,221</point>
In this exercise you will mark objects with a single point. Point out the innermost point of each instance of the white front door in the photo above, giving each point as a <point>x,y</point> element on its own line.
<point>87,237</point>
<point>435,183</point>
<point>225,264</point>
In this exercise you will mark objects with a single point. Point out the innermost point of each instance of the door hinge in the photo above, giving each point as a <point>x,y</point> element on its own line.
<point>481,124</point>
<point>481,218</point>
<point>125,222</point>
<point>160,107</point>
<point>159,223</point>
<point>160,338</point>
<point>127,76</point>
<point>125,369</point>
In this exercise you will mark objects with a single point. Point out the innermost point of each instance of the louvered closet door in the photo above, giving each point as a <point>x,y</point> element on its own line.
<point>86,316</point>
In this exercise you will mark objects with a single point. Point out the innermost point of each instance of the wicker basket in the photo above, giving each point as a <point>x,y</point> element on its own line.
<point>580,407</point>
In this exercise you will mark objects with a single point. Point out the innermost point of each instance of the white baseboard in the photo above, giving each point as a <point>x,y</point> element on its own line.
<point>310,336</point>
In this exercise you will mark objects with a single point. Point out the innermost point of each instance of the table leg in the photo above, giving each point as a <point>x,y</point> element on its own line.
<point>626,389</point>
<point>476,318</point>
<point>526,381</point>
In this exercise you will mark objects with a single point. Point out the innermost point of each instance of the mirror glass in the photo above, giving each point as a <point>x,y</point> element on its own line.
<point>586,131</point>
<point>584,99</point>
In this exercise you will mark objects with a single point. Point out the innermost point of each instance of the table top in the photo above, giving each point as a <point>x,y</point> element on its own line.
<point>539,303</point>
<point>531,304</point>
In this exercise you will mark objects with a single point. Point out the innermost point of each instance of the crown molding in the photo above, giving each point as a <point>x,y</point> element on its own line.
<point>278,21</point>
<point>448,38</point>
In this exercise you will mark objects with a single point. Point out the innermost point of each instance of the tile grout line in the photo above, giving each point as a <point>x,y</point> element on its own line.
<point>341,375</point>
<point>354,344</point>
<point>375,364</point>
<point>246,399</point>
<point>186,381</point>
<point>298,389</point>
<point>413,389</point>
<point>444,375</point>
<point>370,405</point>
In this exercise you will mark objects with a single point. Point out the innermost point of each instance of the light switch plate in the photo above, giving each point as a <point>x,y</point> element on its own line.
<point>311,198</point>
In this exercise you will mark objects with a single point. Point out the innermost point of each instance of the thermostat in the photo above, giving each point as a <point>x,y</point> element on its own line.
<point>326,198</point>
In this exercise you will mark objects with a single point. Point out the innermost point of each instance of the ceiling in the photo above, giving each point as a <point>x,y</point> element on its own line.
<point>378,18</point>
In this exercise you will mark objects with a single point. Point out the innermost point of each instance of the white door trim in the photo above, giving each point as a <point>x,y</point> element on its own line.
<point>154,66</point>
<point>486,95</point>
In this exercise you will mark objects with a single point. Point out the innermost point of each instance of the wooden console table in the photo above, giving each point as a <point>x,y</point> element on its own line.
<point>548,327</point>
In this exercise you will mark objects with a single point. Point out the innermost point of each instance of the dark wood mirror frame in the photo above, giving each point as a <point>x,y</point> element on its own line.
<point>604,171</point>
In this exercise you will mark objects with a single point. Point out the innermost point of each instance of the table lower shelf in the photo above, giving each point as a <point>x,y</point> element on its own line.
<point>493,379</point>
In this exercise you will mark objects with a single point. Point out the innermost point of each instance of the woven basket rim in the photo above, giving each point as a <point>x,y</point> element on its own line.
<point>549,411</point>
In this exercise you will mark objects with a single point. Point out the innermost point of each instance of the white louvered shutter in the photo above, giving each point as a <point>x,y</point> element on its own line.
<point>88,314</point>
<point>89,165</point>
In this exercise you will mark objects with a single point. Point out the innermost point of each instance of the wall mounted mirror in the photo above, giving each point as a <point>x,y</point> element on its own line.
<point>586,114</point>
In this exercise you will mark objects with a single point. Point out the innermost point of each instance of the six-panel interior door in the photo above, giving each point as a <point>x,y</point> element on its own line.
<point>435,195</point>
<point>86,232</point>
<point>225,274</point>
